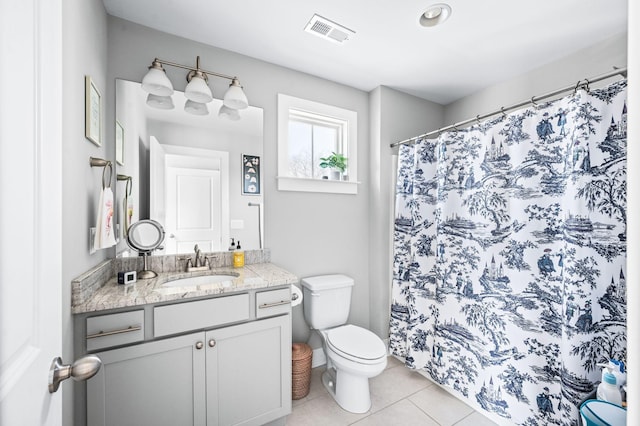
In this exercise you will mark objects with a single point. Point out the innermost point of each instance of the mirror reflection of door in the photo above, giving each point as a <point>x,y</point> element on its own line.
<point>193,206</point>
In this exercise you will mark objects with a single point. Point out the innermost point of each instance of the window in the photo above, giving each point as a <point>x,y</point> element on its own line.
<point>307,132</point>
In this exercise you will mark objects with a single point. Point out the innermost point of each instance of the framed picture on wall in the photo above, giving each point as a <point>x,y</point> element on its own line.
<point>93,112</point>
<point>119,143</point>
<point>250,174</point>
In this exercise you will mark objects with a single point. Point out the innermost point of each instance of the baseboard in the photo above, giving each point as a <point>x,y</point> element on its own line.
<point>318,358</point>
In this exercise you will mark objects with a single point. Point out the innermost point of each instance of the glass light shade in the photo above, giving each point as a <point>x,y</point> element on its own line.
<point>235,97</point>
<point>196,108</point>
<point>229,113</point>
<point>160,102</point>
<point>156,82</point>
<point>197,90</point>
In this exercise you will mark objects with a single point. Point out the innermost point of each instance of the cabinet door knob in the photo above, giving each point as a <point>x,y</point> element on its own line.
<point>199,345</point>
<point>212,343</point>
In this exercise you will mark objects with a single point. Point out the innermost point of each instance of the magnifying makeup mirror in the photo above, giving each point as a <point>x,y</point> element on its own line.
<point>145,236</point>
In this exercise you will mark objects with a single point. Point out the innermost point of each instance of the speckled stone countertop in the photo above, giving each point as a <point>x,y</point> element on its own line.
<point>250,277</point>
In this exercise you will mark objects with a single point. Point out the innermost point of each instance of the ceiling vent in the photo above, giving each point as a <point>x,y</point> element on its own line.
<point>328,30</point>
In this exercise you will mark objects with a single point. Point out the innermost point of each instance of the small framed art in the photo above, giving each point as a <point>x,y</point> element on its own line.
<point>119,143</point>
<point>93,112</point>
<point>250,174</point>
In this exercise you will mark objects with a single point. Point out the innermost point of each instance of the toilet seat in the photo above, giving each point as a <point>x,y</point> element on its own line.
<point>356,344</point>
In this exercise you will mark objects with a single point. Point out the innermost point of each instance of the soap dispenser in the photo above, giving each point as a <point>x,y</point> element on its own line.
<point>608,390</point>
<point>238,256</point>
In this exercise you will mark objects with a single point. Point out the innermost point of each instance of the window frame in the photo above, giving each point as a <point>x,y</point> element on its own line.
<point>321,114</point>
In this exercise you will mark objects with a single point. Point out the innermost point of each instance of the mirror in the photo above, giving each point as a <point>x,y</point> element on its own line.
<point>187,171</point>
<point>145,235</point>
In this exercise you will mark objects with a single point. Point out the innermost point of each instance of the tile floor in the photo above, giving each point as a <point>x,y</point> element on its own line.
<point>399,396</point>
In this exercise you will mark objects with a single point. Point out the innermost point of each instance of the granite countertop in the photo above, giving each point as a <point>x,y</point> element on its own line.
<point>250,277</point>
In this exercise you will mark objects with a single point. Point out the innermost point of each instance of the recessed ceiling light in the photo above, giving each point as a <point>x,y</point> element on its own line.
<point>435,14</point>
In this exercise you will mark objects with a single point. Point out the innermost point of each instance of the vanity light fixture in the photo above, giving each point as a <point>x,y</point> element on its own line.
<point>435,14</point>
<point>198,93</point>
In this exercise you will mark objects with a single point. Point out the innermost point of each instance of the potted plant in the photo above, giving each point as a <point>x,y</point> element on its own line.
<point>336,162</point>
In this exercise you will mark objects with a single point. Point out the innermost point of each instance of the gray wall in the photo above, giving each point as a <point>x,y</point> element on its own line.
<point>586,63</point>
<point>84,46</point>
<point>394,116</point>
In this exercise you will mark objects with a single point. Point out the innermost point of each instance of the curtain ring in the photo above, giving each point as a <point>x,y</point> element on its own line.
<point>533,103</point>
<point>104,173</point>
<point>575,90</point>
<point>478,120</point>
<point>586,87</point>
<point>504,114</point>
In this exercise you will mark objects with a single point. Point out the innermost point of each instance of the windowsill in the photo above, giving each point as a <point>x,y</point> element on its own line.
<point>288,183</point>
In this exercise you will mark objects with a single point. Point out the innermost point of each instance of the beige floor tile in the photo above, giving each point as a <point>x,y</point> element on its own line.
<point>393,385</point>
<point>392,361</point>
<point>321,411</point>
<point>442,406</point>
<point>476,419</point>
<point>402,413</point>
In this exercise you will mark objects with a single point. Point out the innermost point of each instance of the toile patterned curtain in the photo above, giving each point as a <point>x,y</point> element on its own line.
<point>510,256</point>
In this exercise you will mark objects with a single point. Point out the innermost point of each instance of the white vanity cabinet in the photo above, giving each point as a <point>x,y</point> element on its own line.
<point>238,374</point>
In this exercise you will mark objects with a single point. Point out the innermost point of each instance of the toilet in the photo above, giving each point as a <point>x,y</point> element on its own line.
<point>353,353</point>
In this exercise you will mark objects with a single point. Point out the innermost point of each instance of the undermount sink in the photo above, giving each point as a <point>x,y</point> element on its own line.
<point>201,280</point>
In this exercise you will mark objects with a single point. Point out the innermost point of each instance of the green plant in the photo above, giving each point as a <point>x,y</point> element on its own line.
<point>334,161</point>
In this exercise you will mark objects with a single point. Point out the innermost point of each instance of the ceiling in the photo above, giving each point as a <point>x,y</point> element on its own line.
<point>482,43</point>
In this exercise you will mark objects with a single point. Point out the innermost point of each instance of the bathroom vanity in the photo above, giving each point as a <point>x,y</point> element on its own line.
<point>201,353</point>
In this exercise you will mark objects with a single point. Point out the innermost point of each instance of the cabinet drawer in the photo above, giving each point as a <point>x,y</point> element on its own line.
<point>198,315</point>
<point>273,302</point>
<point>114,329</point>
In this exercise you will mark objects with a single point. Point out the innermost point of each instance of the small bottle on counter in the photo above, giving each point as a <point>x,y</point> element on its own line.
<point>232,247</point>
<point>238,256</point>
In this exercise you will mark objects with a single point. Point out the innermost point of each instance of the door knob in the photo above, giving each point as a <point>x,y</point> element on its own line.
<point>212,343</point>
<point>82,369</point>
<point>199,345</point>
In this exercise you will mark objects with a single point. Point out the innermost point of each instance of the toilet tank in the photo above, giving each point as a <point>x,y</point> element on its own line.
<point>326,300</point>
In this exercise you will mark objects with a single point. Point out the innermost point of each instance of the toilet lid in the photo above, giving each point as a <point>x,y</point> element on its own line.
<point>356,342</point>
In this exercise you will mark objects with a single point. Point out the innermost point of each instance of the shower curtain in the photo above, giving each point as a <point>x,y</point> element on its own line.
<point>510,255</point>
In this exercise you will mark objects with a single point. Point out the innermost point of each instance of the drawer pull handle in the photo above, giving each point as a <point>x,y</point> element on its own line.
<point>271,305</point>
<point>111,333</point>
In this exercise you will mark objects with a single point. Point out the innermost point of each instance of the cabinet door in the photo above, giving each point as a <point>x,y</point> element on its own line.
<point>249,372</point>
<point>156,383</point>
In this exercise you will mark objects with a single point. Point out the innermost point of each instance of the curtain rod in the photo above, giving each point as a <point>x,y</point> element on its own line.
<point>502,110</point>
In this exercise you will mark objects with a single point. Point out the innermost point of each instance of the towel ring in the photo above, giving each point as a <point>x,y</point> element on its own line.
<point>129,184</point>
<point>104,173</point>
<point>99,162</point>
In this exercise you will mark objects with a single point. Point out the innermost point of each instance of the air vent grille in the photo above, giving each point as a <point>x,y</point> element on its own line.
<point>329,30</point>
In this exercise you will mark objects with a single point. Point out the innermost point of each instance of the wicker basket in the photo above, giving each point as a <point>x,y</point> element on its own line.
<point>301,355</point>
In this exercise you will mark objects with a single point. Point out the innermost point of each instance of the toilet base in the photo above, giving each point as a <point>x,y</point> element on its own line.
<point>349,391</point>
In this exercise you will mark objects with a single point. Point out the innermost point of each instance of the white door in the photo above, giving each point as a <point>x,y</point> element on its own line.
<point>30,209</point>
<point>193,210</point>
